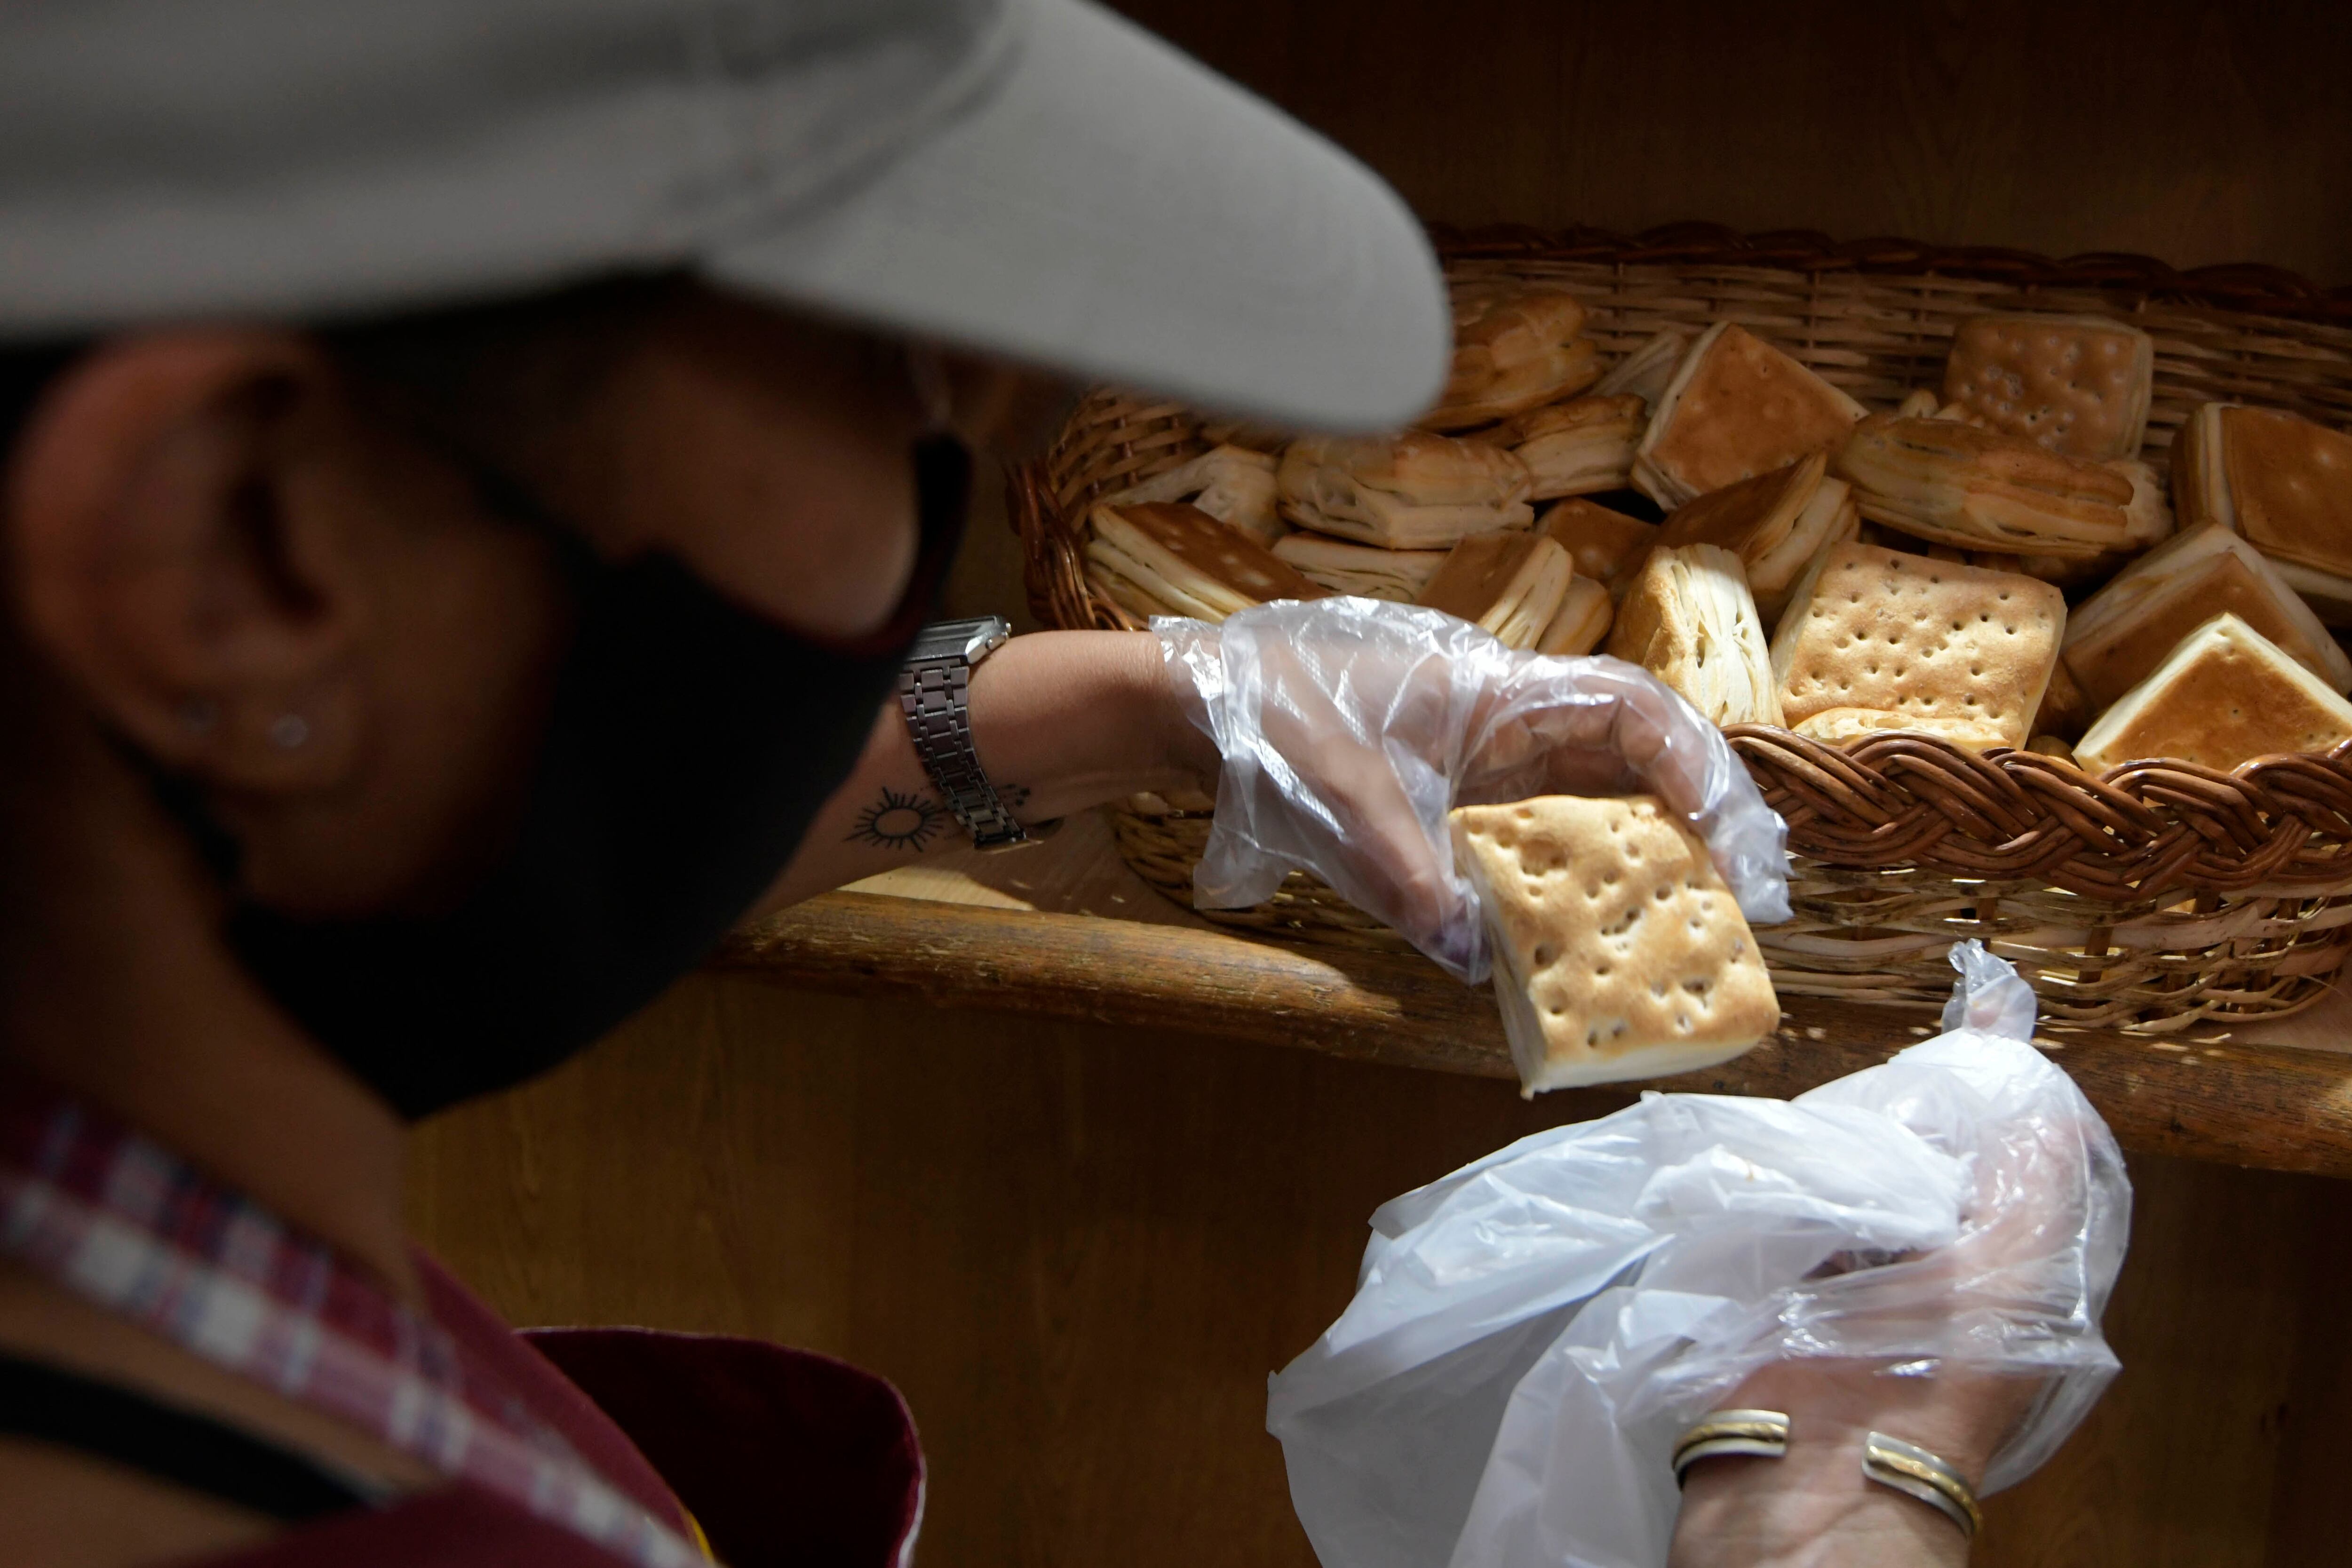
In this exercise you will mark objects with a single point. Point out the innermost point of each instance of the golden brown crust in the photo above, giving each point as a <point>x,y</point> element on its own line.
<point>1231,484</point>
<point>1957,484</point>
<point>1513,352</point>
<point>1367,569</point>
<point>1606,545</point>
<point>1738,407</point>
<point>1918,639</point>
<point>1578,447</point>
<point>1411,490</point>
<point>1752,515</point>
<point>1618,952</point>
<point>2289,485</point>
<point>2225,696</point>
<point>1560,418</point>
<point>1478,571</point>
<point>2079,385</point>
<point>1509,583</point>
<point>1171,545</point>
<point>2124,630</point>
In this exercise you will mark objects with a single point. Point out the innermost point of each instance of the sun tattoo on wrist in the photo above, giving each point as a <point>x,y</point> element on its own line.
<point>900,821</point>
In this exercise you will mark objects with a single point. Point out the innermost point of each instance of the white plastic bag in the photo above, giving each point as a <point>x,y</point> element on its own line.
<point>1530,1334</point>
<point>1350,727</point>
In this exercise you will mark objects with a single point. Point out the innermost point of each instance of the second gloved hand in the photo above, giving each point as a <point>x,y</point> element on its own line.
<point>1347,728</point>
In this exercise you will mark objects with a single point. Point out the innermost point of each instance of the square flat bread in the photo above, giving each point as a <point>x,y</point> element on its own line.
<point>1397,575</point>
<point>1979,490</point>
<point>1619,953</point>
<point>1919,640</point>
<point>1775,523</point>
<point>1513,351</point>
<point>1187,560</point>
<point>1578,447</point>
<point>1509,583</point>
<point>2077,384</point>
<point>2283,482</point>
<point>2114,637</point>
<point>1231,484</point>
<point>1415,490</point>
<point>1689,620</point>
<point>1605,545</point>
<point>2225,696</point>
<point>1737,408</point>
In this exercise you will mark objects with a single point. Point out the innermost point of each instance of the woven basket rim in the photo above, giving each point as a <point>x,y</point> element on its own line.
<point>2247,287</point>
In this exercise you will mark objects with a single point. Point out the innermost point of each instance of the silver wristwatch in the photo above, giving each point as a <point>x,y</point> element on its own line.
<point>934,692</point>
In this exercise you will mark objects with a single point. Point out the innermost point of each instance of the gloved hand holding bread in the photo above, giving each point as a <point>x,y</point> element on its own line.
<point>1350,728</point>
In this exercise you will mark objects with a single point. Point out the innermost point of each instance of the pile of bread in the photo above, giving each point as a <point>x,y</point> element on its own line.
<point>1815,564</point>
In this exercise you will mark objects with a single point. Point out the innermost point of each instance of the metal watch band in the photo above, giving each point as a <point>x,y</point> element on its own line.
<point>934,693</point>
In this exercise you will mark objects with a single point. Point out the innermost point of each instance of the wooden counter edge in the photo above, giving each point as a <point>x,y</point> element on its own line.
<point>2270,1106</point>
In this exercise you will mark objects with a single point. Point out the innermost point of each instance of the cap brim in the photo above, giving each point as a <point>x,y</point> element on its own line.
<point>1112,210</point>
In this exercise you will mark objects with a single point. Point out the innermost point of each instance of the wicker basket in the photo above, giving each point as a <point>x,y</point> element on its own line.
<point>2155,897</point>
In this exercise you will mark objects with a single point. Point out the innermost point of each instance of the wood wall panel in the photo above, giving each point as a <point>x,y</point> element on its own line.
<point>2192,131</point>
<point>1080,1250</point>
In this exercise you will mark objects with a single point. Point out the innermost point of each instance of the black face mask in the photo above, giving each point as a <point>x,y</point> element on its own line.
<point>690,744</point>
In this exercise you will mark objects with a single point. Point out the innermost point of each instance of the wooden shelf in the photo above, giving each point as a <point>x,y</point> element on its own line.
<point>1068,932</point>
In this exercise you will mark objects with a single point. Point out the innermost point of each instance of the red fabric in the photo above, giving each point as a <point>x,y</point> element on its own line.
<point>124,1224</point>
<point>783,1456</point>
<point>552,1397</point>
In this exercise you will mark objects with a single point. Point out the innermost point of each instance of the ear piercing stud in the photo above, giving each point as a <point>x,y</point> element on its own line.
<point>289,730</point>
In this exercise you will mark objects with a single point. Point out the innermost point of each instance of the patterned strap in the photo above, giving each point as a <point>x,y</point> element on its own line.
<point>934,696</point>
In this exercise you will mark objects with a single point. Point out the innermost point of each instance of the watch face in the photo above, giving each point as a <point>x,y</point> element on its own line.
<point>972,639</point>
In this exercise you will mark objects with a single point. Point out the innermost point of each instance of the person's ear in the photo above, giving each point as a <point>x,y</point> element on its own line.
<point>180,553</point>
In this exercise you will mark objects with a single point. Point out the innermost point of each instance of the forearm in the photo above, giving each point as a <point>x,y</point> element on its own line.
<point>1062,721</point>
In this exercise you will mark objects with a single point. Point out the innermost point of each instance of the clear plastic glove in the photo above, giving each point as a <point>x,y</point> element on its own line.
<point>1530,1334</point>
<point>1350,727</point>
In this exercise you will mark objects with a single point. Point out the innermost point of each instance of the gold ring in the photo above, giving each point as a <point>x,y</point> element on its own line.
<point>1757,1434</point>
<point>1914,1472</point>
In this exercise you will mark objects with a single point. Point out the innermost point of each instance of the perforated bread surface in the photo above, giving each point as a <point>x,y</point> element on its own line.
<point>1205,546</point>
<point>2289,484</point>
<point>2225,696</point>
<point>1904,634</point>
<point>1620,953</point>
<point>1745,409</point>
<point>2077,384</point>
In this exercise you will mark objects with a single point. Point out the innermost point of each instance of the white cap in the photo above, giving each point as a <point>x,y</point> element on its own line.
<point>1037,178</point>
